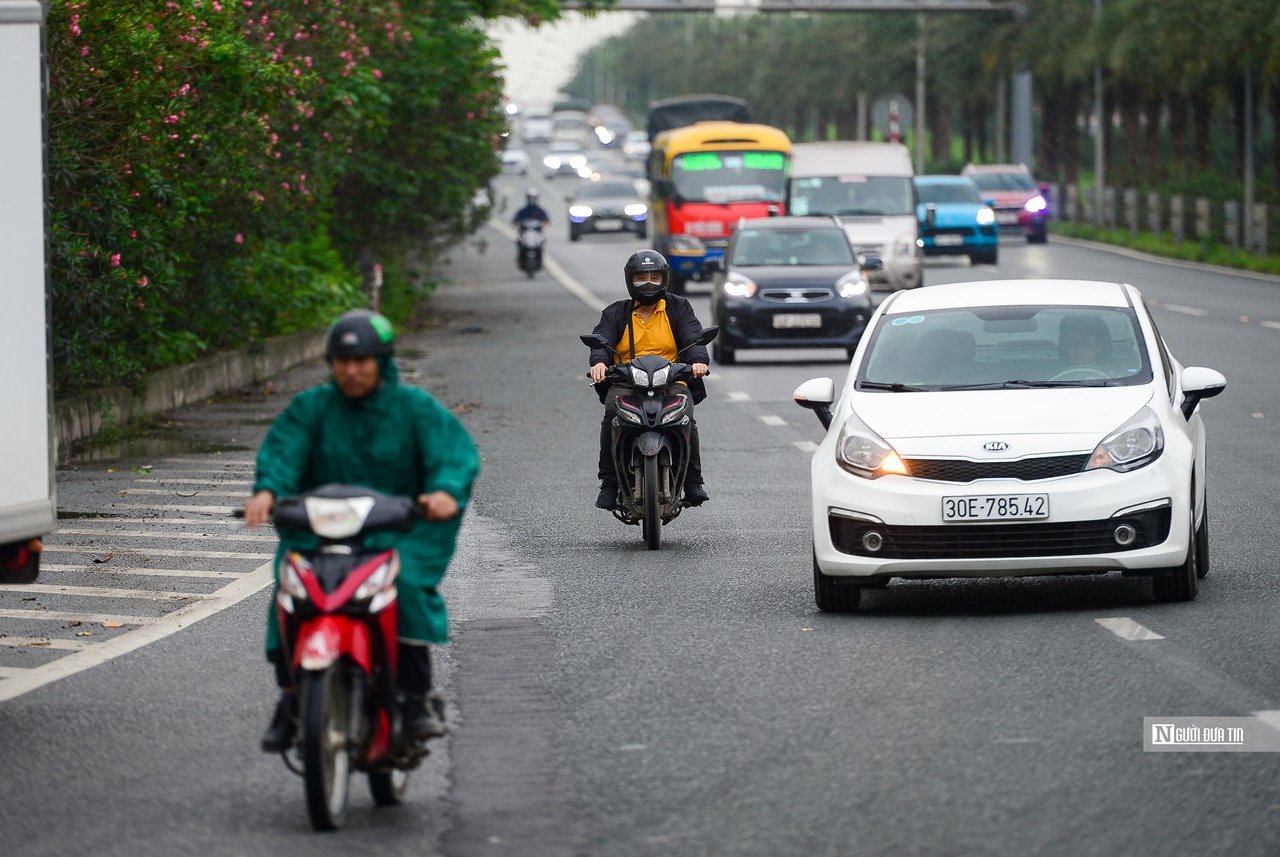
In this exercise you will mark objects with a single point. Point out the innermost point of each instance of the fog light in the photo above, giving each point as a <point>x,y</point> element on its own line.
<point>1124,535</point>
<point>872,541</point>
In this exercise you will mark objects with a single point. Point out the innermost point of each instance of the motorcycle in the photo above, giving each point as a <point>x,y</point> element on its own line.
<point>338,614</point>
<point>651,430</point>
<point>530,241</point>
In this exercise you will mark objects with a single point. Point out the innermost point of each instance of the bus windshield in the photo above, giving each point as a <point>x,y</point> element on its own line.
<point>852,196</point>
<point>730,176</point>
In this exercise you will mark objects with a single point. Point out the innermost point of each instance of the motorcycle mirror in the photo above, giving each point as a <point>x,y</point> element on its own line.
<point>708,334</point>
<point>594,340</point>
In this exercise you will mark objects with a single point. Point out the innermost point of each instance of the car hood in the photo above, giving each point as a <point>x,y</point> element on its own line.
<point>1008,198</point>
<point>618,202</point>
<point>1032,422</point>
<point>952,213</point>
<point>770,276</point>
<point>873,230</point>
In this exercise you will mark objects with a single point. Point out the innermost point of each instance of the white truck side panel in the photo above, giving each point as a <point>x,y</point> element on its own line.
<point>26,445</point>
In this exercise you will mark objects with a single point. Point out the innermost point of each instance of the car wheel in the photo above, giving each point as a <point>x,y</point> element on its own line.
<point>574,235</point>
<point>1180,583</point>
<point>722,355</point>
<point>833,597</point>
<point>1038,238</point>
<point>1202,543</point>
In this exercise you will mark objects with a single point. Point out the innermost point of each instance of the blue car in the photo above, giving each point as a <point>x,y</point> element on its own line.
<point>954,221</point>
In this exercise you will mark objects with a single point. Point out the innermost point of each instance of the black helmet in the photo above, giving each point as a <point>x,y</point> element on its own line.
<point>647,260</point>
<point>359,333</point>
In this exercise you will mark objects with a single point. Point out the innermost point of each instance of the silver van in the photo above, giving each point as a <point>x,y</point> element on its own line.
<point>868,187</point>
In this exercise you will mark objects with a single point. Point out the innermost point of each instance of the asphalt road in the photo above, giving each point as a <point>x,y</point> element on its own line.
<point>607,700</point>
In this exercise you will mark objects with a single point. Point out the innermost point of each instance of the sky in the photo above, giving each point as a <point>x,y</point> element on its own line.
<point>540,60</point>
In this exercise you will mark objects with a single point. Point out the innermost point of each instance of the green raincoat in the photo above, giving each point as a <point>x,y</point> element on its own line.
<point>397,440</point>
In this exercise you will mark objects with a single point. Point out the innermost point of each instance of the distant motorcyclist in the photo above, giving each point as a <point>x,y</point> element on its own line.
<point>662,324</point>
<point>531,209</point>
<point>365,428</point>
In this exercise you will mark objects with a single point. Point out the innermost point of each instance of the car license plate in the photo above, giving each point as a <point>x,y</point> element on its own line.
<point>608,223</point>
<point>995,507</point>
<point>948,240</point>
<point>797,319</point>
<point>1007,216</point>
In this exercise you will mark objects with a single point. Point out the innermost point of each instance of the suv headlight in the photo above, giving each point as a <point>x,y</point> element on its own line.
<point>580,211</point>
<point>851,285</point>
<point>986,217</point>
<point>1036,204</point>
<point>1135,444</point>
<point>738,286</point>
<point>636,209</point>
<point>862,452</point>
<point>905,245</point>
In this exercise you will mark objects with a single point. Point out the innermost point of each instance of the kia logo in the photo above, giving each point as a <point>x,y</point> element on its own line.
<point>995,446</point>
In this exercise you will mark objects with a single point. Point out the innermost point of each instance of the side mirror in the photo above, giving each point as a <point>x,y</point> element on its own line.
<point>931,215</point>
<point>707,335</point>
<point>594,340</point>
<point>990,201</point>
<point>1199,383</point>
<point>816,395</point>
<point>871,262</point>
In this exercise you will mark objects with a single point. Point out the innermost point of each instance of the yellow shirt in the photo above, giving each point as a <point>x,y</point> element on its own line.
<point>652,337</point>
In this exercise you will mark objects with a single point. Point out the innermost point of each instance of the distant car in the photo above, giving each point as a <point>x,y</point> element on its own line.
<point>565,158</point>
<point>954,221</point>
<point>635,147</point>
<point>1019,202</point>
<point>789,282</point>
<point>608,205</point>
<point>515,161</point>
<point>1010,428</point>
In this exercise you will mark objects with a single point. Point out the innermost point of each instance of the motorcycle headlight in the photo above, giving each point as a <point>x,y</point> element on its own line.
<point>687,244</point>
<point>1135,444</point>
<point>674,413</point>
<point>1036,204</point>
<point>639,377</point>
<point>636,209</point>
<point>862,452</point>
<point>738,286</point>
<point>290,580</point>
<point>852,285</point>
<point>986,217</point>
<point>580,211</point>
<point>660,377</point>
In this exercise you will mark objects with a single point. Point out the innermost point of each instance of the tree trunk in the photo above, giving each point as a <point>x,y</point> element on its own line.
<point>1202,151</point>
<point>1178,128</point>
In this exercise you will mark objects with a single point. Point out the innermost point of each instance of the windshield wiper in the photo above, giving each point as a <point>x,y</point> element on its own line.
<point>892,388</point>
<point>1026,385</point>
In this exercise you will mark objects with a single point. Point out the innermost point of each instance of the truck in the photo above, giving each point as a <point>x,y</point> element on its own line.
<point>28,454</point>
<point>687,109</point>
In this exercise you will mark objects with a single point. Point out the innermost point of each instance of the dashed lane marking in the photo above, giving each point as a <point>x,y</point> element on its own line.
<point>772,420</point>
<point>43,643</point>
<point>1186,310</point>
<point>1129,630</point>
<point>171,492</point>
<point>98,592</point>
<point>67,616</point>
<point>142,572</point>
<point>223,511</point>
<point>181,522</point>
<point>739,396</point>
<point>159,534</point>
<point>167,480</point>
<point>805,445</point>
<point>1273,325</point>
<point>160,552</point>
<point>14,672</point>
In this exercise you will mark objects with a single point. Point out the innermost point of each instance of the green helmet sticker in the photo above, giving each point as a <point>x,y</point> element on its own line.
<point>382,326</point>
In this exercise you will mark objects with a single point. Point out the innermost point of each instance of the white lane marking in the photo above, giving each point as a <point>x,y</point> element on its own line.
<point>69,616</point>
<point>14,672</point>
<point>1127,629</point>
<point>221,511</point>
<point>738,396</point>
<point>159,552</point>
<point>558,273</point>
<point>1186,310</point>
<point>43,643</point>
<point>174,492</point>
<point>805,446</point>
<point>1258,416</point>
<point>205,462</point>
<point>1270,718</point>
<point>1244,319</point>
<point>180,522</point>
<point>157,534</point>
<point>156,629</point>
<point>1274,325</point>
<point>98,592</point>
<point>167,480</point>
<point>772,420</point>
<point>148,572</point>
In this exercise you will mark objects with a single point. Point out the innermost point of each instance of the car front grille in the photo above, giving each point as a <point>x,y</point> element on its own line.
<point>799,295</point>
<point>1026,469</point>
<point>999,540</point>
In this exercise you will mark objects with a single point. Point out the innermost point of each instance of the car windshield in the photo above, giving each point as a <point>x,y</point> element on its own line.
<point>563,146</point>
<point>853,196</point>
<point>600,190</point>
<point>730,176</point>
<point>1003,181</point>
<point>947,192</point>
<point>754,247</point>
<point>1006,347</point>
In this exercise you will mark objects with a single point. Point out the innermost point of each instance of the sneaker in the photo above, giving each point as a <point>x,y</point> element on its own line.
<point>695,494</point>
<point>608,497</point>
<point>423,715</point>
<point>284,725</point>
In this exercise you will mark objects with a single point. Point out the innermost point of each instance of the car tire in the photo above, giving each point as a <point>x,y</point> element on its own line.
<point>1180,584</point>
<point>833,597</point>
<point>722,355</point>
<point>1202,543</point>
<point>574,235</point>
<point>1038,238</point>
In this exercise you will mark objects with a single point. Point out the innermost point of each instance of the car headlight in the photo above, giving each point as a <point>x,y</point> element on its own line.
<point>852,285</point>
<point>1036,204</point>
<point>577,161</point>
<point>986,217</point>
<point>862,452</point>
<point>1135,444</point>
<point>580,211</point>
<point>905,245</point>
<point>551,162</point>
<point>687,244</point>
<point>738,286</point>
<point>636,209</point>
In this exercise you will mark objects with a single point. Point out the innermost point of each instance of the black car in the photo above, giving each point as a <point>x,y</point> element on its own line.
<point>608,205</point>
<point>789,282</point>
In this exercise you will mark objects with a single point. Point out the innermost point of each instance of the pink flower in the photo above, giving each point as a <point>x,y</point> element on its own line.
<point>143,281</point>
<point>115,260</point>
<point>133,233</point>
<point>377,74</point>
<point>84,51</point>
<point>171,120</point>
<point>239,238</point>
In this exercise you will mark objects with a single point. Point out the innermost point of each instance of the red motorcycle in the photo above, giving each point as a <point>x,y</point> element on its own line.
<point>337,609</point>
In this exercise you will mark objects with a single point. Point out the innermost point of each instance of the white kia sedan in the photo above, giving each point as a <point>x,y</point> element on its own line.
<point>1006,428</point>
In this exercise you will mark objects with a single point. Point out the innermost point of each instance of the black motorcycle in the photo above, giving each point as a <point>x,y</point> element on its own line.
<point>529,243</point>
<point>651,431</point>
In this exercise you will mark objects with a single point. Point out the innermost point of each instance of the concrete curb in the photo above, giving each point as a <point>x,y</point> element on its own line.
<point>89,413</point>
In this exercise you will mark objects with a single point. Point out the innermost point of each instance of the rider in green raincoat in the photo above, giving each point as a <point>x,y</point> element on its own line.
<point>366,428</point>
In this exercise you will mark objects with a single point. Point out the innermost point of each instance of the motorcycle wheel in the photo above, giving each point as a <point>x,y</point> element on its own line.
<point>389,787</point>
<point>326,746</point>
<point>652,513</point>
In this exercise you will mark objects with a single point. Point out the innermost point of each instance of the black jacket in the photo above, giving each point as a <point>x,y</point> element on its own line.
<point>684,325</point>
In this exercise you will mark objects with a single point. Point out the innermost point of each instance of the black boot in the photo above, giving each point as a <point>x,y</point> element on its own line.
<point>695,493</point>
<point>608,497</point>
<point>423,715</point>
<point>284,725</point>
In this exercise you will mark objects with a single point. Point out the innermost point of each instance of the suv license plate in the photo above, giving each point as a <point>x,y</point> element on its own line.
<point>995,507</point>
<point>948,240</point>
<point>797,319</point>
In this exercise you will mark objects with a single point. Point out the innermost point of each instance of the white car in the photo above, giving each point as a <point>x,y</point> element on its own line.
<point>980,435</point>
<point>515,161</point>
